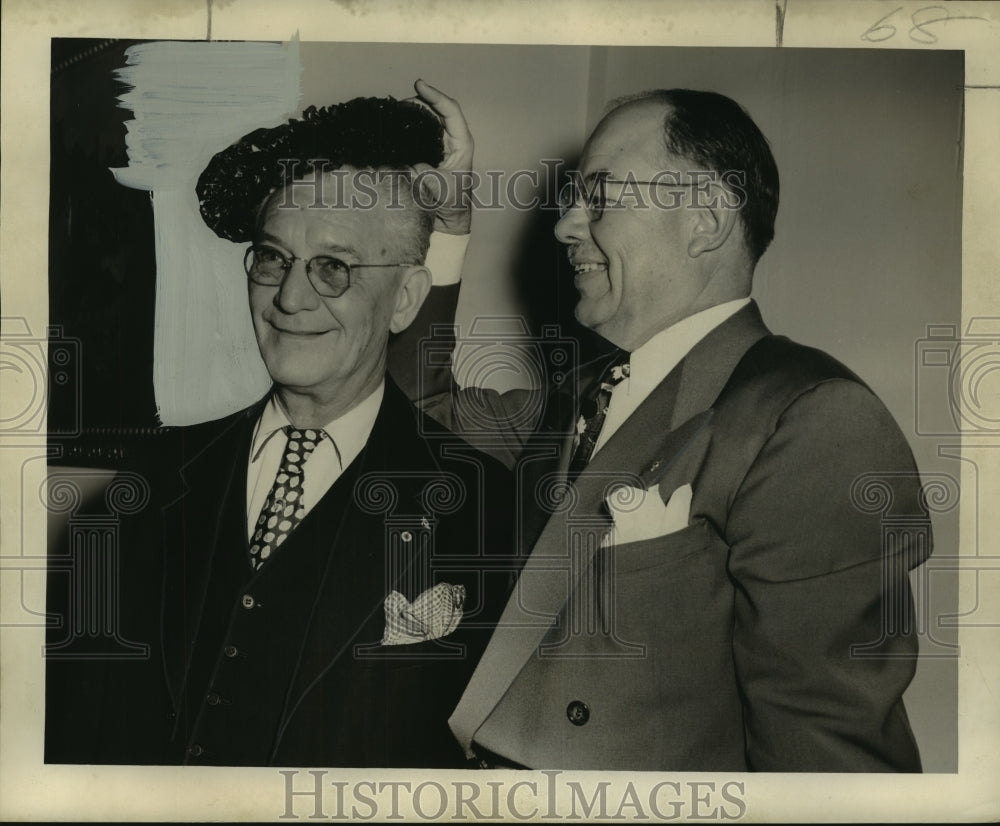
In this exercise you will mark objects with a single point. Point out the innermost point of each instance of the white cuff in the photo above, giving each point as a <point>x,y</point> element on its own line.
<point>446,257</point>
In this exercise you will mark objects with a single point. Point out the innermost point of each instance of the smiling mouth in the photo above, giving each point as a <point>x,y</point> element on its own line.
<point>585,269</point>
<point>301,333</point>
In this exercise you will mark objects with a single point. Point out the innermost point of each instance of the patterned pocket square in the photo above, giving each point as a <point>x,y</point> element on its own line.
<point>433,614</point>
<point>640,514</point>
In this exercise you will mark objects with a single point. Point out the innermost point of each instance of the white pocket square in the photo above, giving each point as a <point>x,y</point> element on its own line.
<point>640,514</point>
<point>433,614</point>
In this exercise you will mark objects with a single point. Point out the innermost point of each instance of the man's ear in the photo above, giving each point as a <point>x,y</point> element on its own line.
<point>715,216</point>
<point>413,288</point>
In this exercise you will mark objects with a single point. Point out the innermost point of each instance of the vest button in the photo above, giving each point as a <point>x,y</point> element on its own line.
<point>195,750</point>
<point>213,699</point>
<point>230,651</point>
<point>248,601</point>
<point>578,713</point>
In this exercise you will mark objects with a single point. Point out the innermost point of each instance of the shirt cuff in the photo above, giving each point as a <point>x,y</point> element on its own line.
<point>445,258</point>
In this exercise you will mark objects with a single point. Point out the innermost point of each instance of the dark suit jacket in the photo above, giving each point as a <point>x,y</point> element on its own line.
<point>775,632</point>
<point>284,666</point>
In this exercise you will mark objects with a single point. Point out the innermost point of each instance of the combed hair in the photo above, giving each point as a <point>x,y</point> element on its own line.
<point>716,133</point>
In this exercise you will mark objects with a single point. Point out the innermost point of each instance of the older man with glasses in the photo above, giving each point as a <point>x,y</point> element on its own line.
<point>318,588</point>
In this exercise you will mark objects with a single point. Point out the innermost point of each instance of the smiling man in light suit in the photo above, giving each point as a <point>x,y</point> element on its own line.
<point>707,586</point>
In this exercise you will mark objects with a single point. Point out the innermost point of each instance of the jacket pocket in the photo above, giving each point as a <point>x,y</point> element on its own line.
<point>412,655</point>
<point>665,550</point>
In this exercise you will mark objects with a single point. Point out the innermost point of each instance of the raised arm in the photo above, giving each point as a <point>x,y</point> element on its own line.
<point>449,184</point>
<point>446,186</point>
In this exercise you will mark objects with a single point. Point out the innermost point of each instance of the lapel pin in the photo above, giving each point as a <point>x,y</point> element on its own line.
<point>424,523</point>
<point>655,466</point>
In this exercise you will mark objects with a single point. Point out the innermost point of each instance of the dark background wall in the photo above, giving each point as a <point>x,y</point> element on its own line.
<point>101,261</point>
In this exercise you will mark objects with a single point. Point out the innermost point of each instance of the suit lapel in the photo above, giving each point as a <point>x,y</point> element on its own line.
<point>396,455</point>
<point>563,550</point>
<point>633,455</point>
<point>191,530</point>
<point>687,392</point>
<point>706,369</point>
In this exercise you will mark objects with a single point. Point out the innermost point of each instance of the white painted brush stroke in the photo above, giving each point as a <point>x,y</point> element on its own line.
<point>190,100</point>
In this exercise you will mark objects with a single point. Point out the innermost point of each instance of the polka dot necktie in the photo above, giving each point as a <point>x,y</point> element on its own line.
<point>284,507</point>
<point>594,410</point>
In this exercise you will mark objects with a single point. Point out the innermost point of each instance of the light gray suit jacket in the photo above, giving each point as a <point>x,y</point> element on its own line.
<point>774,632</point>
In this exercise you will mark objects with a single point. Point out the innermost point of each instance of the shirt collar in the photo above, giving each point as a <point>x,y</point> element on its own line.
<point>351,430</point>
<point>650,363</point>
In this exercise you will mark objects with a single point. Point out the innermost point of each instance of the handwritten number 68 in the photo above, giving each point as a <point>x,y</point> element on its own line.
<point>926,16</point>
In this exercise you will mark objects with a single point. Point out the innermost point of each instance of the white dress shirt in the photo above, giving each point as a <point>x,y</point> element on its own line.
<point>345,438</point>
<point>650,364</point>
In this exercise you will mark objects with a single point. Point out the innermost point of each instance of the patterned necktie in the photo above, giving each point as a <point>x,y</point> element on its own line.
<point>594,410</point>
<point>284,508</point>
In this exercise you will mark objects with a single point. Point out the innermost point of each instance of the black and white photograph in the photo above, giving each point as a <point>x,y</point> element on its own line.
<point>575,423</point>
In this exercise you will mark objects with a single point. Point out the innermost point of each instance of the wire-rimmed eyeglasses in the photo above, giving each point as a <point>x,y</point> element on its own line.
<point>592,195</point>
<point>330,276</point>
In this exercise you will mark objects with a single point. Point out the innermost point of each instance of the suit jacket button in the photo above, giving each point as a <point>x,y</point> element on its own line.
<point>213,699</point>
<point>195,750</point>
<point>230,651</point>
<point>248,601</point>
<point>578,713</point>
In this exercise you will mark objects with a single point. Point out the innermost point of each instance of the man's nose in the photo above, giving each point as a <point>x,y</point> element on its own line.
<point>574,226</point>
<point>296,292</point>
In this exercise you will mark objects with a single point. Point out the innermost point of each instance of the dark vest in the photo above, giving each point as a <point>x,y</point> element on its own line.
<point>249,638</point>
